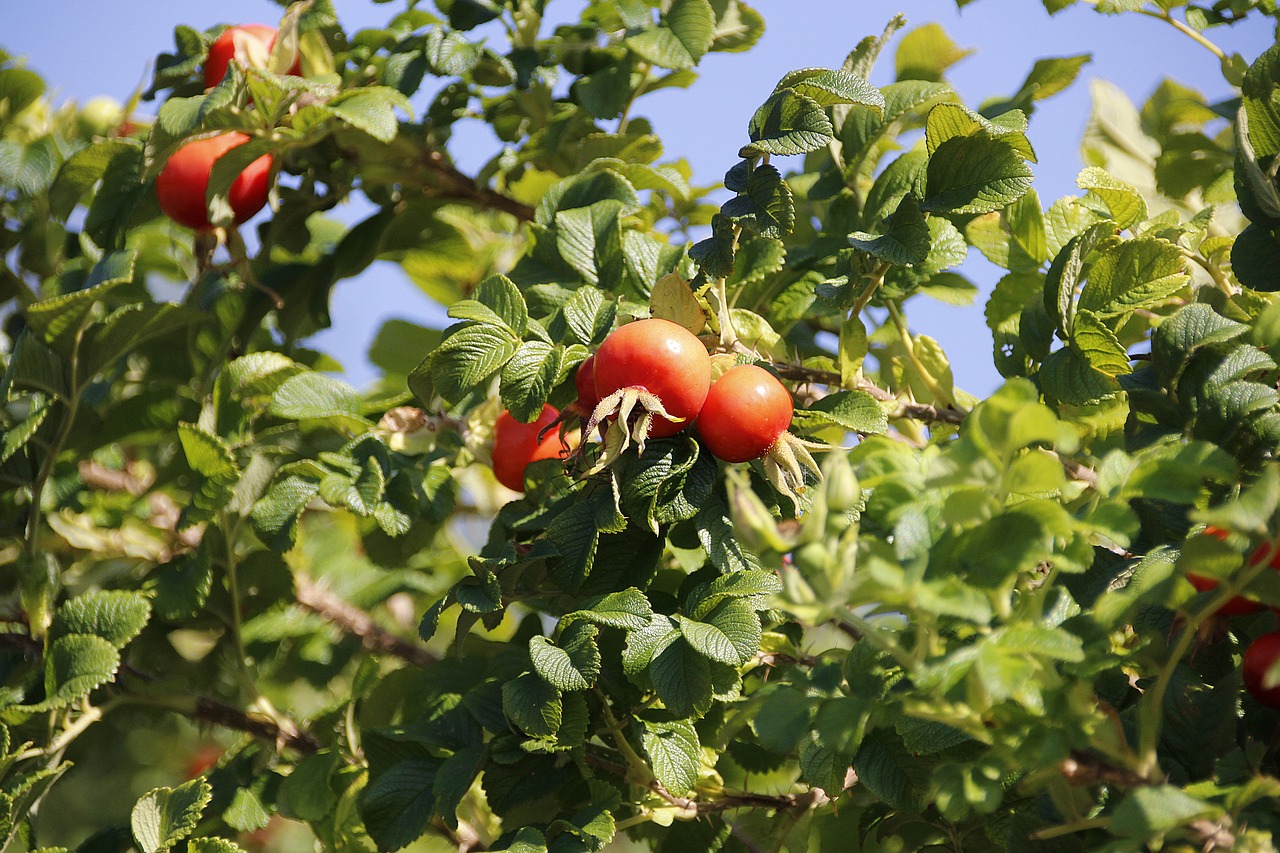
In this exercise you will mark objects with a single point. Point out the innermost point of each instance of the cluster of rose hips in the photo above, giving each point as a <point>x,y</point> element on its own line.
<point>1264,650</point>
<point>182,186</point>
<point>652,379</point>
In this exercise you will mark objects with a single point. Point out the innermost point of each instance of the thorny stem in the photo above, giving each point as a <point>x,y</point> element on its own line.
<point>32,538</point>
<point>233,592</point>
<point>874,280</point>
<point>904,334</point>
<point>637,769</point>
<point>1071,828</point>
<point>643,68</point>
<point>1214,271</point>
<point>1166,16</point>
<point>458,185</point>
<point>354,621</point>
<point>89,715</point>
<point>906,408</point>
<point>728,335</point>
<point>865,630</point>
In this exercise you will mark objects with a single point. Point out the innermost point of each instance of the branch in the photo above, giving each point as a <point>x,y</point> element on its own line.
<point>726,802</point>
<point>906,408</point>
<point>354,621</point>
<point>210,710</point>
<point>458,185</point>
<point>812,798</point>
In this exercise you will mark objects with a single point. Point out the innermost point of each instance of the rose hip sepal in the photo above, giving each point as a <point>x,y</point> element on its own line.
<point>651,378</point>
<point>746,416</point>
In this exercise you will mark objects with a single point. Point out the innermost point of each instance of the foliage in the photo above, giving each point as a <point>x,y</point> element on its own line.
<point>967,626</point>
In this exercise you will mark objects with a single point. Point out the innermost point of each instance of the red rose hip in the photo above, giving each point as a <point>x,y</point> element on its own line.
<point>183,184</point>
<point>746,411</point>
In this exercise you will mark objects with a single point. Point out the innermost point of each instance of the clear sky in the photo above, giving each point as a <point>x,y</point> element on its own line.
<point>88,48</point>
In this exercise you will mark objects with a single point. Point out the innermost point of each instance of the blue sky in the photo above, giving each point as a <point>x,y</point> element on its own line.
<point>106,48</point>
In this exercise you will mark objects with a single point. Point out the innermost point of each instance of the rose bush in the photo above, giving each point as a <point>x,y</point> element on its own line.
<point>969,627</point>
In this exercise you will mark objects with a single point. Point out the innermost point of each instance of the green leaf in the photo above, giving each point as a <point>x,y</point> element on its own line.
<point>856,411</point>
<point>863,129</point>
<point>35,367</point>
<point>906,239</point>
<point>974,174</point>
<point>833,86</point>
<point>398,805</point>
<point>605,92</point>
<point>469,355</point>
<point>674,753</point>
<point>1067,270</point>
<point>589,315</point>
<point>648,479</point>
<point>1069,378</point>
<point>116,616</point>
<point>590,240</point>
<point>1126,204</point>
<point>885,769</point>
<point>76,664</point>
<point>454,778</point>
<point>246,812</point>
<point>499,294</point>
<point>903,175</point>
<point>165,816</point>
<point>571,664</point>
<point>313,395</point>
<point>715,254</point>
<point>60,319</point>
<point>738,26</point>
<point>19,89</point>
<point>1193,327</point>
<point>949,121</point>
<point>1098,345</point>
<point>1255,257</point>
<point>127,327</point>
<point>643,177</point>
<point>789,123</point>
<point>746,584</point>
<point>275,516</point>
<point>765,207</point>
<point>682,677</point>
<point>1154,809</point>
<point>82,170</point>
<point>180,588</point>
<point>627,609</point>
<point>1132,274</point>
<point>925,53</point>
<point>209,457</point>
<point>715,532</point>
<point>683,38</point>
<point>529,377</point>
<point>372,109</point>
<point>533,705</point>
<point>16,438</point>
<point>784,720</point>
<point>30,167</point>
<point>729,632</point>
<point>526,840</point>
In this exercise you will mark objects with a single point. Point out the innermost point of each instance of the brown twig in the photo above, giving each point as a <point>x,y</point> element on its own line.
<point>458,185</point>
<point>906,408</point>
<point>354,621</point>
<point>210,710</point>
